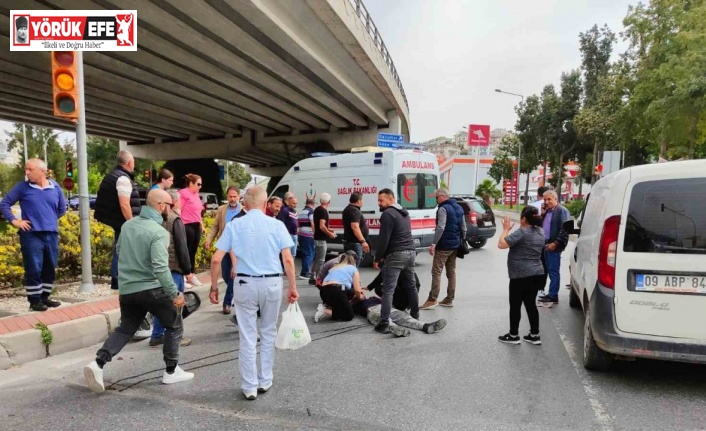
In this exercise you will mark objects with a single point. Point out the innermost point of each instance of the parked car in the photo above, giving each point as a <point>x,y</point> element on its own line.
<point>73,202</point>
<point>638,268</point>
<point>480,220</point>
<point>209,201</point>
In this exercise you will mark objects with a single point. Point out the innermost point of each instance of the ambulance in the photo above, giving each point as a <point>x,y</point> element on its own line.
<point>413,176</point>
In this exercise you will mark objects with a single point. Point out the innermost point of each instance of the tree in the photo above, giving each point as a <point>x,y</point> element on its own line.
<point>529,136</point>
<point>36,139</point>
<point>102,152</point>
<point>236,174</point>
<point>488,190</point>
<point>502,162</point>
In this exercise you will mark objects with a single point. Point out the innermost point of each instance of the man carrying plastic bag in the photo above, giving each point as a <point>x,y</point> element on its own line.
<point>255,242</point>
<point>293,332</point>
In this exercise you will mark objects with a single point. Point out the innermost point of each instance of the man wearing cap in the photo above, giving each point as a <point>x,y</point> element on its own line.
<point>21,25</point>
<point>254,243</point>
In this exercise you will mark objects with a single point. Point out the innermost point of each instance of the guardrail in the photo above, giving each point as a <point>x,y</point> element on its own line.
<point>364,16</point>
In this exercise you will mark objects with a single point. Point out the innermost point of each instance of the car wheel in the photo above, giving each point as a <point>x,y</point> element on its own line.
<point>593,357</point>
<point>574,300</point>
<point>478,244</point>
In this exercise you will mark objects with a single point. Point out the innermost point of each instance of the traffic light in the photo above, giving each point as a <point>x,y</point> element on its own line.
<point>65,84</point>
<point>69,169</point>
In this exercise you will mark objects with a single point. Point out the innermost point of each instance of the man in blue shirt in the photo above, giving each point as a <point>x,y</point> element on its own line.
<point>254,243</point>
<point>556,240</point>
<point>42,204</point>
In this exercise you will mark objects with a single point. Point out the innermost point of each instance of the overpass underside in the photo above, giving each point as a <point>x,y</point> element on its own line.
<point>262,82</point>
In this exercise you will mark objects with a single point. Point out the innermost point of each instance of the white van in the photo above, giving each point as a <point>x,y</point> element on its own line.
<point>413,175</point>
<point>639,270</point>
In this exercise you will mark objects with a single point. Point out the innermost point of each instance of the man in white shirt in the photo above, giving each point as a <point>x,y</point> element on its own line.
<point>540,198</point>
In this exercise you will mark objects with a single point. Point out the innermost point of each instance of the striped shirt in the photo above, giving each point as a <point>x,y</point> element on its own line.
<point>304,219</point>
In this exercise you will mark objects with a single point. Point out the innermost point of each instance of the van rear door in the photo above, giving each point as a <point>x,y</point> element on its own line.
<point>416,174</point>
<point>660,266</point>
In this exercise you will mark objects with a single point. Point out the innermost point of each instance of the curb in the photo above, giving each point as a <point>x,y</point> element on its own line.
<point>20,347</point>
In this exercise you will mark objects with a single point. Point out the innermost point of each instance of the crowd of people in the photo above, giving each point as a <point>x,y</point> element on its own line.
<point>256,241</point>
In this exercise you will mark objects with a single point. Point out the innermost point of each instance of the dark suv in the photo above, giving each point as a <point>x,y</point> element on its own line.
<point>480,220</point>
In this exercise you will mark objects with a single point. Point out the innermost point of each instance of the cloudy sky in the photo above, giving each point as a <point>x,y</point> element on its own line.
<point>452,54</point>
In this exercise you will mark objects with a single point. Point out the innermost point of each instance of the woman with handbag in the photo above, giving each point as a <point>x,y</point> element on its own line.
<point>526,272</point>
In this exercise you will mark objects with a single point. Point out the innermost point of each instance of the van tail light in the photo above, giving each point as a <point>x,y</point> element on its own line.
<point>608,251</point>
<point>474,219</point>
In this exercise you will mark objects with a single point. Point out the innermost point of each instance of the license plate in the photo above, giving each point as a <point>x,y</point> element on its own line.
<point>670,283</point>
<point>417,242</point>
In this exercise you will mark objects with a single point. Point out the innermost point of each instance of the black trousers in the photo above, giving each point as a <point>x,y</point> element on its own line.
<point>133,310</point>
<point>193,238</point>
<point>524,290</point>
<point>335,297</point>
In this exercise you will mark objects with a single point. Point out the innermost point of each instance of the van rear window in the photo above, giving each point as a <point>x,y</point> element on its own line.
<point>408,190</point>
<point>667,216</point>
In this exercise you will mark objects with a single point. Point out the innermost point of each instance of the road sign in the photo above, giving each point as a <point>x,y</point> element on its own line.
<point>478,135</point>
<point>390,140</point>
<point>222,172</point>
<point>68,183</point>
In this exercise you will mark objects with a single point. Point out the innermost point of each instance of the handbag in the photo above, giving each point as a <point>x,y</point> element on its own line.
<point>463,249</point>
<point>293,332</point>
<point>192,302</point>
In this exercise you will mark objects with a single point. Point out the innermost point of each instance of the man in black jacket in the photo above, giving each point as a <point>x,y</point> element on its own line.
<point>117,202</point>
<point>396,253</point>
<point>556,240</point>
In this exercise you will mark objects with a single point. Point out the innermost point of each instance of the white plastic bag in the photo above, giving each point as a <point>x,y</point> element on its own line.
<point>293,332</point>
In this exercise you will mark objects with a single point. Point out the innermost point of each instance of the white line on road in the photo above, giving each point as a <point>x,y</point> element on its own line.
<point>602,416</point>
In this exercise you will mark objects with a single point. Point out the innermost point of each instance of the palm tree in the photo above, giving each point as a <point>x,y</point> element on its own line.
<point>488,190</point>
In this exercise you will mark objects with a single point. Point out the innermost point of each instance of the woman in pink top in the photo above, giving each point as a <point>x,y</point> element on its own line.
<point>191,208</point>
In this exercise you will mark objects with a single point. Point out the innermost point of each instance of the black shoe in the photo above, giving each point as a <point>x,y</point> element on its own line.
<point>383,327</point>
<point>509,339</point>
<point>50,303</point>
<point>432,327</point>
<point>548,300</point>
<point>312,282</point>
<point>532,339</point>
<point>154,342</point>
<point>38,306</point>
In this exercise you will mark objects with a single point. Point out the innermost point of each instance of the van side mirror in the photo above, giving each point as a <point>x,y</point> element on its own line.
<point>570,228</point>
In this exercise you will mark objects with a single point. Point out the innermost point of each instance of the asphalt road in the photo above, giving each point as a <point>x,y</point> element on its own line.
<point>352,378</point>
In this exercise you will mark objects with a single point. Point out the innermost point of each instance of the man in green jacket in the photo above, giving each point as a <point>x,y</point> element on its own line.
<point>145,285</point>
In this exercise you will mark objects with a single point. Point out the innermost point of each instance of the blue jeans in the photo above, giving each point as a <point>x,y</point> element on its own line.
<point>357,248</point>
<point>157,328</point>
<point>226,269</point>
<point>294,247</point>
<point>307,248</point>
<point>553,260</point>
<point>395,264</point>
<point>40,254</point>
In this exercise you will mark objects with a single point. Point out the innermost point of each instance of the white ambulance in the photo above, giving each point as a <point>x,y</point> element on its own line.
<point>413,175</point>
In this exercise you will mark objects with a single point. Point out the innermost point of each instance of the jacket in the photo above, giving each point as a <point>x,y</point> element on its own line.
<point>395,232</point>
<point>146,265</point>
<point>556,232</point>
<point>107,205</point>
<point>453,229</point>
<point>219,224</point>
<point>178,252</point>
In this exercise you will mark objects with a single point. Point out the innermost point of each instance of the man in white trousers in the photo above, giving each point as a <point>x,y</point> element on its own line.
<point>255,242</point>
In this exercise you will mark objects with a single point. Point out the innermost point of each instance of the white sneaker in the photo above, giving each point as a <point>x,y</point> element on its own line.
<point>264,388</point>
<point>250,395</point>
<point>94,377</point>
<point>196,282</point>
<point>304,277</point>
<point>177,376</point>
<point>188,285</point>
<point>319,312</point>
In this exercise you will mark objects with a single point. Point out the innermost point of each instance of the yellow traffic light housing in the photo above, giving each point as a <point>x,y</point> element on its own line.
<point>64,82</point>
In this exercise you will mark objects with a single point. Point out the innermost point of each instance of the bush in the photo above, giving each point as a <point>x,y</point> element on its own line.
<point>69,267</point>
<point>575,207</point>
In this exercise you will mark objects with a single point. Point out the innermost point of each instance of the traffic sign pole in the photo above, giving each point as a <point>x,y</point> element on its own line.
<point>83,208</point>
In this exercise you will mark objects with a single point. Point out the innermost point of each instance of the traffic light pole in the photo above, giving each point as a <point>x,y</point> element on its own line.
<point>86,264</point>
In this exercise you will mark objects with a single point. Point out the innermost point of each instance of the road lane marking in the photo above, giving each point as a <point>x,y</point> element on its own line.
<point>600,413</point>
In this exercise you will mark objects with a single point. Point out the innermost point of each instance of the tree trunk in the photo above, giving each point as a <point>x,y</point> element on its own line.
<point>560,177</point>
<point>579,177</point>
<point>527,188</point>
<point>595,160</point>
<point>544,174</point>
<point>693,135</point>
<point>663,149</point>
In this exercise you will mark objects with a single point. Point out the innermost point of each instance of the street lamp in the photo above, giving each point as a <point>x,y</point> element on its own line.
<point>53,135</point>
<point>519,149</point>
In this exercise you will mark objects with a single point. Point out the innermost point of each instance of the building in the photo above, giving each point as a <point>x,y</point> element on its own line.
<point>459,173</point>
<point>8,157</point>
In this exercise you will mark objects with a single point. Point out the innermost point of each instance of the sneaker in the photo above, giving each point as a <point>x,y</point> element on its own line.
<point>177,376</point>
<point>154,342</point>
<point>185,342</point>
<point>304,277</point>
<point>548,300</point>
<point>226,309</point>
<point>265,388</point>
<point>383,327</point>
<point>399,331</point>
<point>250,395</point>
<point>50,303</point>
<point>432,327</point>
<point>319,312</point>
<point>532,339</point>
<point>37,306</point>
<point>509,339</point>
<point>188,285</point>
<point>196,282</point>
<point>447,302</point>
<point>429,304</point>
<point>312,282</point>
<point>233,319</point>
<point>94,377</point>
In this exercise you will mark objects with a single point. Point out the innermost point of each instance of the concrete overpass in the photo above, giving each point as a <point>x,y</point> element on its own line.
<point>261,82</point>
